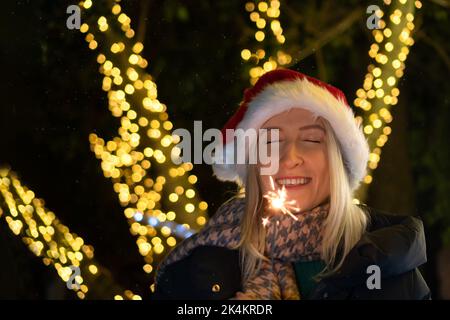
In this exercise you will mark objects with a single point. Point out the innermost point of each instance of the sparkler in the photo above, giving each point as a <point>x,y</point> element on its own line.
<point>277,200</point>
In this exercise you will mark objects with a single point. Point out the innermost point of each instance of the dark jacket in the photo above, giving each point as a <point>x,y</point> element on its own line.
<point>396,244</point>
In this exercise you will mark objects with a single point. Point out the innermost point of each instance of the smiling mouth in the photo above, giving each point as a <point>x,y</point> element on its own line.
<point>293,182</point>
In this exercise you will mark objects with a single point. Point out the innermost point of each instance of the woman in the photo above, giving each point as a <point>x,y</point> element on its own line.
<point>326,247</point>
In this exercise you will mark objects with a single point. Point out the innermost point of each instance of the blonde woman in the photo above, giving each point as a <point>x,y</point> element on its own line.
<point>328,247</point>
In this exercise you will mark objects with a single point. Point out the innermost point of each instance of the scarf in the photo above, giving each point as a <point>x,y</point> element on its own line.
<point>287,241</point>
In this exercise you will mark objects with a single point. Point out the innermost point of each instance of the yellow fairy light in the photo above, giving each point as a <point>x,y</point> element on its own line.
<point>138,47</point>
<point>377,123</point>
<point>93,45</point>
<point>189,207</point>
<point>192,179</point>
<point>389,46</point>
<point>123,18</point>
<point>387,99</point>
<point>171,241</point>
<point>203,205</point>
<point>148,268</point>
<point>254,16</point>
<point>378,83</point>
<point>260,53</point>
<point>171,216</point>
<point>368,179</point>
<point>399,73</point>
<point>173,197</point>
<point>245,54</point>
<point>107,65</point>
<point>391,81</point>
<point>378,36</point>
<point>249,6</point>
<point>102,21</point>
<point>262,6</point>
<point>181,171</point>
<point>179,190</point>
<point>101,58</point>
<point>376,72</point>
<point>261,23</point>
<point>201,221</point>
<point>190,193</point>
<point>167,125</point>
<point>158,249</point>
<point>87,4</point>
<point>166,231</point>
<point>116,9</point>
<point>259,36</point>
<point>84,28</point>
<point>134,59</point>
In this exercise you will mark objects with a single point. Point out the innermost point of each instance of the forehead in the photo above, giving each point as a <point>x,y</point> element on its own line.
<point>296,117</point>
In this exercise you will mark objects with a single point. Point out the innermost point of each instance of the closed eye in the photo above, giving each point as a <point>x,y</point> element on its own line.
<point>312,141</point>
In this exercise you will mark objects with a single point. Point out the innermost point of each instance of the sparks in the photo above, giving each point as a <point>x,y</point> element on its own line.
<point>277,200</point>
<point>265,221</point>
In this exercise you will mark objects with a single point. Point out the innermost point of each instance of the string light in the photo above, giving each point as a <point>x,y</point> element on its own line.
<point>265,15</point>
<point>139,174</point>
<point>137,159</point>
<point>379,91</point>
<point>52,241</point>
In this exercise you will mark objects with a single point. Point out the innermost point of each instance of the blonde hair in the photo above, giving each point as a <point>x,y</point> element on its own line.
<point>343,226</point>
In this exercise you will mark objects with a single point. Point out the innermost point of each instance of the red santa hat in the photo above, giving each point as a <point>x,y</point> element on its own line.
<point>281,90</point>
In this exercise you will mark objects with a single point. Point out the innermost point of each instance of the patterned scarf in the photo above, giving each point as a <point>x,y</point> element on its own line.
<point>287,241</point>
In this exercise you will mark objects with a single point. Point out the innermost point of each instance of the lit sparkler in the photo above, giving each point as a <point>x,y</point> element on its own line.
<point>277,200</point>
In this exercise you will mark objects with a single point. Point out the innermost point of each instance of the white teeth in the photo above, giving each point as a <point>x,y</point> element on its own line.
<point>292,182</point>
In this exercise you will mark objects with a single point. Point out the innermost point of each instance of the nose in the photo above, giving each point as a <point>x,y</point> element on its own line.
<point>291,156</point>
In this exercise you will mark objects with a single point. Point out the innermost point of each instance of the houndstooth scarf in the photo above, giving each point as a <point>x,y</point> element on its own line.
<point>287,240</point>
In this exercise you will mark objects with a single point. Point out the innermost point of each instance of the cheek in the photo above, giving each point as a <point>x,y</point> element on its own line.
<point>319,163</point>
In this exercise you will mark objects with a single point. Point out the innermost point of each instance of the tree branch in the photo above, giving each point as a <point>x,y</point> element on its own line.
<point>321,66</point>
<point>436,46</point>
<point>443,3</point>
<point>142,24</point>
<point>328,35</point>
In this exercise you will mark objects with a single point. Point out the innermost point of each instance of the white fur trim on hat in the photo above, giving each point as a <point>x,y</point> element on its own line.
<point>284,95</point>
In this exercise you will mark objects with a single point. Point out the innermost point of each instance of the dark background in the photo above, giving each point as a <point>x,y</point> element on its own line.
<point>51,100</point>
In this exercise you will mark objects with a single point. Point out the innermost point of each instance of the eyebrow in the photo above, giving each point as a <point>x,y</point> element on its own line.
<point>311,126</point>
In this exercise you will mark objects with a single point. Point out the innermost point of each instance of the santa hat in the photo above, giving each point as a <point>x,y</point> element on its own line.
<point>281,90</point>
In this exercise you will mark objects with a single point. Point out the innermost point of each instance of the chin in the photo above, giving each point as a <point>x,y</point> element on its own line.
<point>302,200</point>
